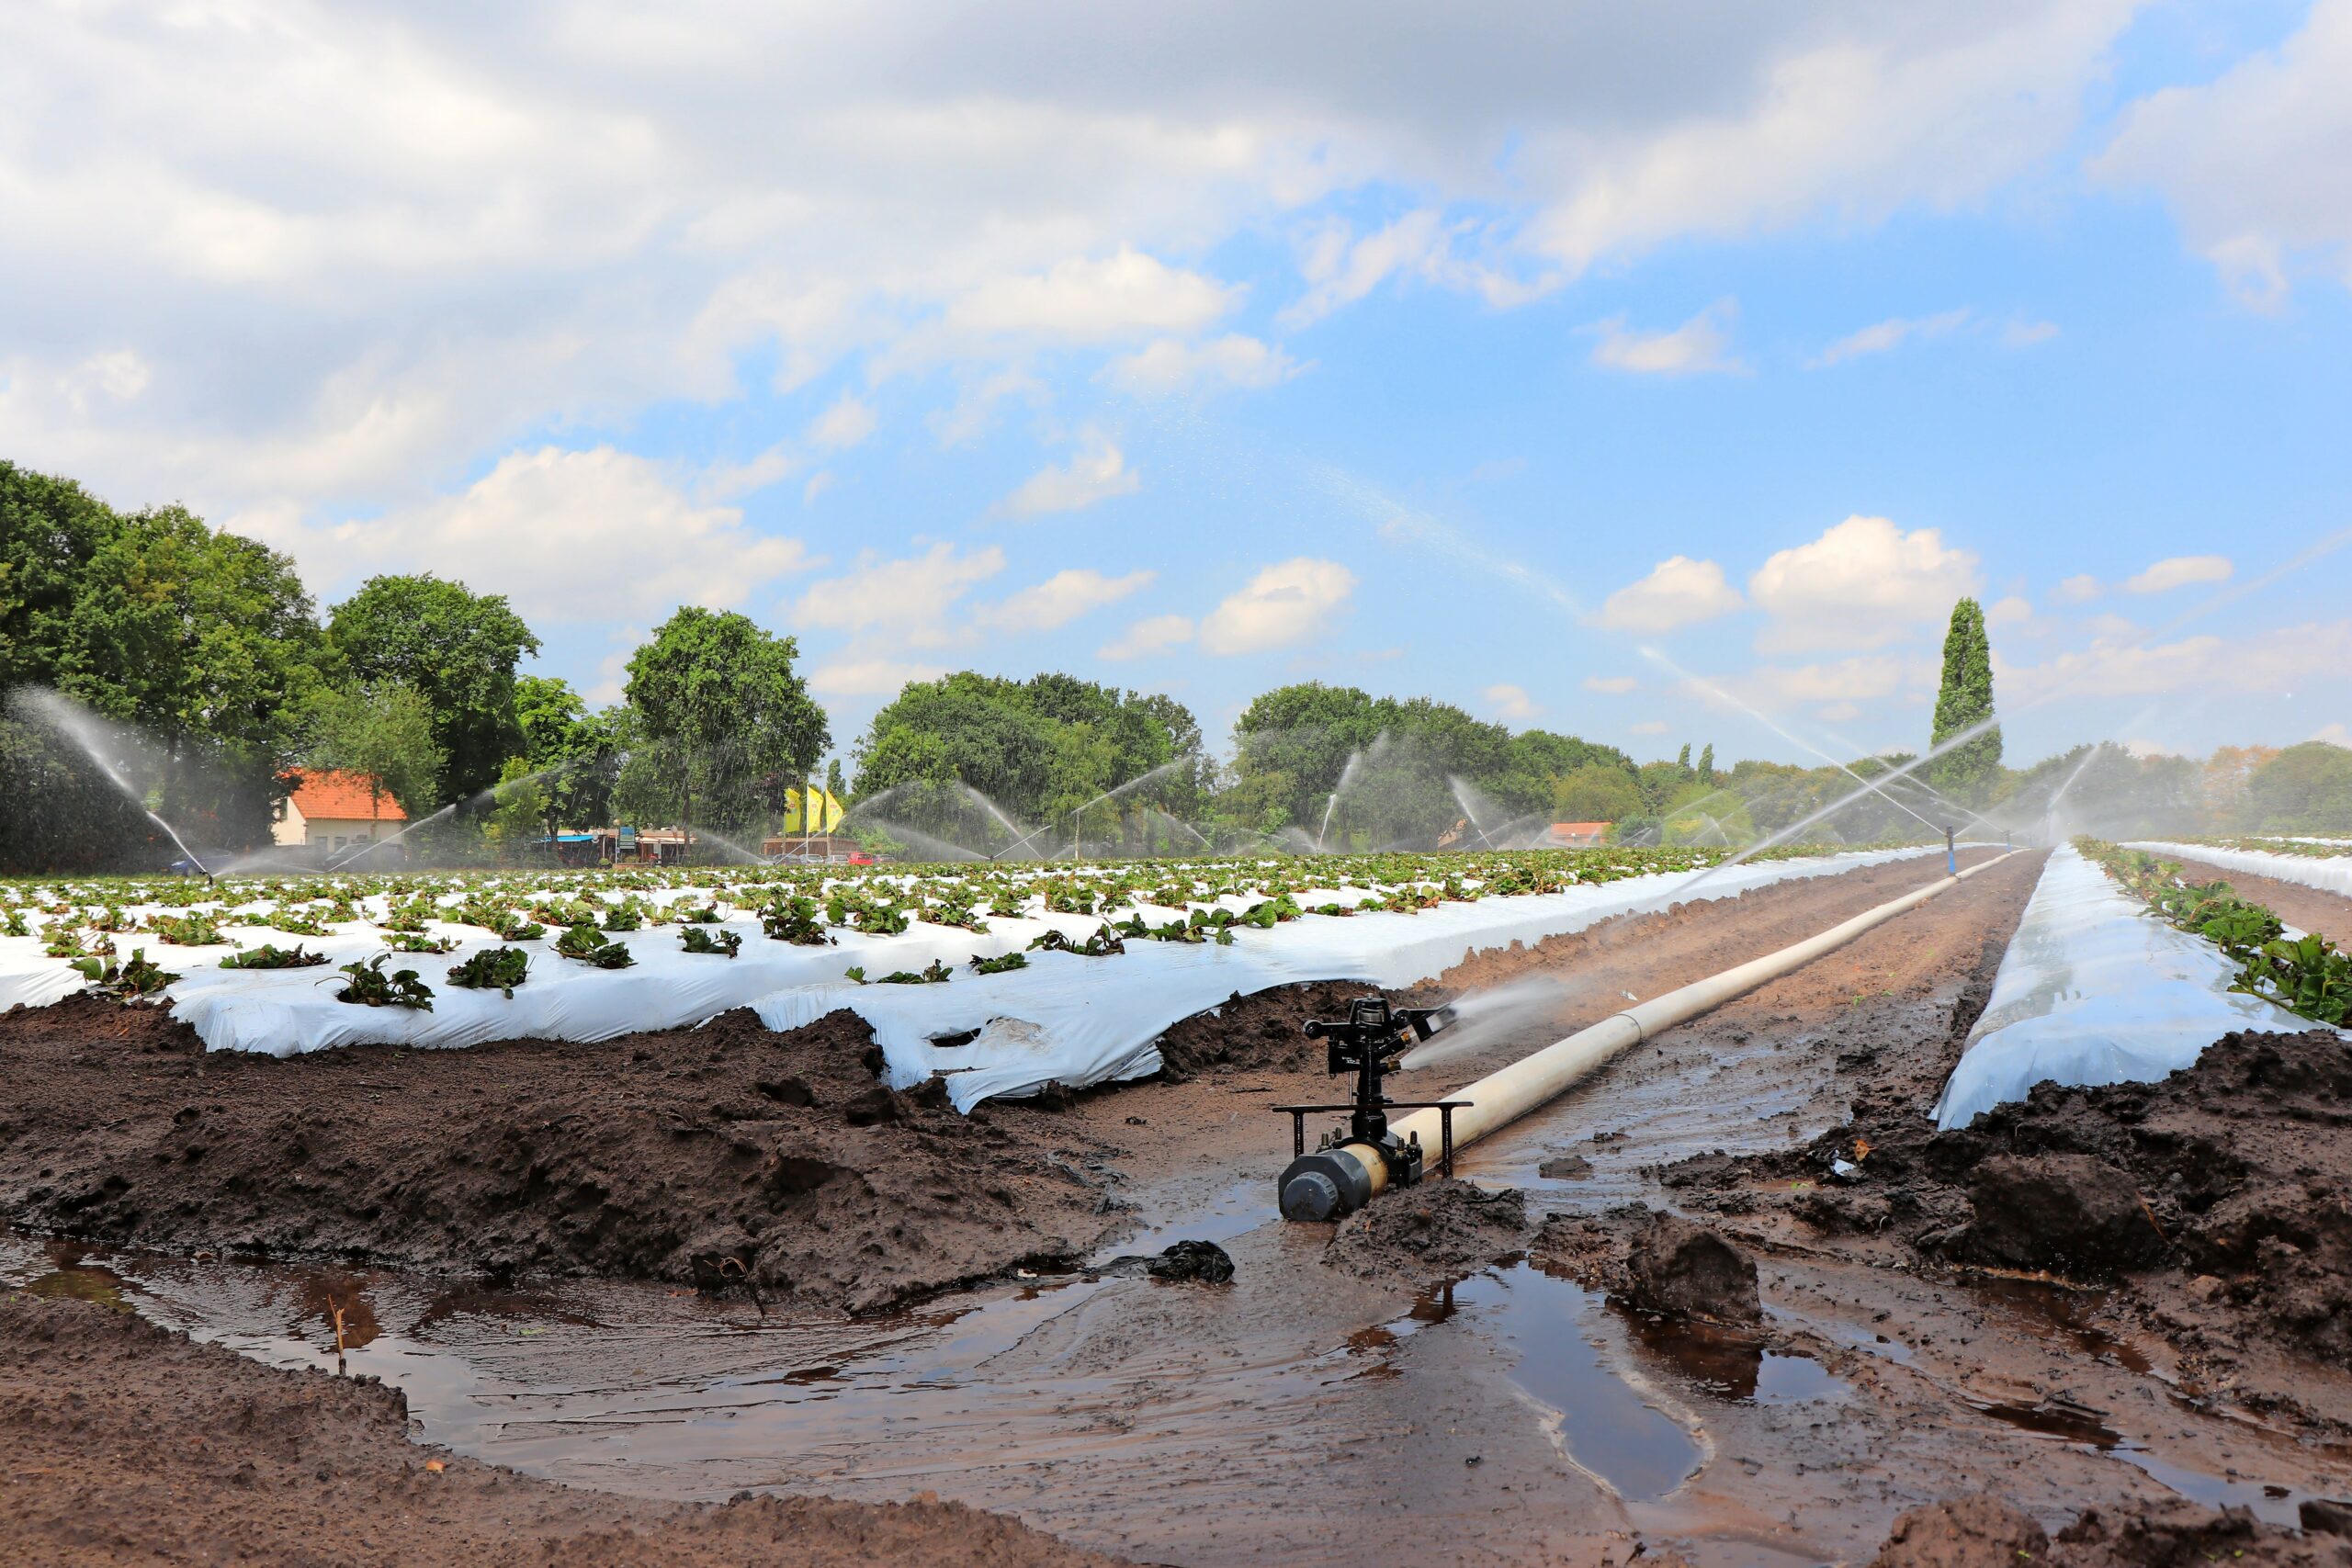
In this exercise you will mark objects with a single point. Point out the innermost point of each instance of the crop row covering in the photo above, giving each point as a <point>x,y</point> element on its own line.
<point>2096,988</point>
<point>2311,862</point>
<point>1180,937</point>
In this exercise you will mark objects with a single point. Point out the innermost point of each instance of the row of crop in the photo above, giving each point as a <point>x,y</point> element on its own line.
<point>1070,889</point>
<point>2305,974</point>
<point>810,900</point>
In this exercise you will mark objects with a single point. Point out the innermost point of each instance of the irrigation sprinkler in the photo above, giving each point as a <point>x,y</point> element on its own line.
<point>1347,1170</point>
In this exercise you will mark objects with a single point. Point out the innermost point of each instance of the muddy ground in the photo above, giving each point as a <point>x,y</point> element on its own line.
<point>722,1153</point>
<point>122,1443</point>
<point>1332,1396</point>
<point>2308,908</point>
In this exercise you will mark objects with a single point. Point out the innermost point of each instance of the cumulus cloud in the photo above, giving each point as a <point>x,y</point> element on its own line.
<point>2180,572</point>
<point>1649,727</point>
<point>869,677</point>
<point>725,481</point>
<point>2078,590</point>
<point>848,422</point>
<point>2257,165</point>
<point>1864,584</point>
<point>1701,346</point>
<point>1061,599</point>
<point>1293,601</point>
<point>1154,634</point>
<point>2009,611</point>
<point>1126,294</point>
<point>1172,366</point>
<point>2278,658</point>
<point>914,597</point>
<point>1679,592</point>
<point>1863,678</point>
<point>562,534</point>
<point>1086,478</point>
<point>1506,701</point>
<point>1887,335</point>
<point>1613,685</point>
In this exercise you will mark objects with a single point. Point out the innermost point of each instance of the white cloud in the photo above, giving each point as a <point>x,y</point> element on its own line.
<point>1838,713</point>
<point>1679,592</point>
<point>1170,365</point>
<point>2011,611</point>
<point>1061,599</point>
<point>1699,346</point>
<point>2278,658</point>
<point>2255,164</point>
<point>1887,335</point>
<point>1154,634</point>
<point>2180,572</point>
<point>726,482</point>
<point>848,422</point>
<point>914,597</point>
<point>1864,584</point>
<point>975,410</point>
<point>1613,685</point>
<point>2078,590</point>
<point>563,535</point>
<point>1124,294</point>
<point>1086,478</point>
<point>116,376</point>
<point>1649,727</point>
<point>1863,678</point>
<point>2019,332</point>
<point>1294,601</point>
<point>818,483</point>
<point>868,677</point>
<point>1341,267</point>
<point>1506,701</point>
<point>2334,734</point>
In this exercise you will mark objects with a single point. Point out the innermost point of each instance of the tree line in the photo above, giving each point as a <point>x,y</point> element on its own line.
<point>211,673</point>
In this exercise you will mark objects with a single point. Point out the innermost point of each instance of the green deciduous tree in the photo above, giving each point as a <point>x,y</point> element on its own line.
<point>456,648</point>
<point>385,732</point>
<point>1970,768</point>
<point>575,752</point>
<point>2303,789</point>
<point>727,717</point>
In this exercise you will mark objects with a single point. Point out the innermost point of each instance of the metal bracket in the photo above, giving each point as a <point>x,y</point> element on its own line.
<point>1445,1108</point>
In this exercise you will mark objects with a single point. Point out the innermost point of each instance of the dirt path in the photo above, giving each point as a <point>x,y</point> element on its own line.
<point>2310,908</point>
<point>122,1443</point>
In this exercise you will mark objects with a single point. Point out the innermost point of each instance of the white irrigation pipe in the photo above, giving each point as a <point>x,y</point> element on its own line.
<point>1502,1097</point>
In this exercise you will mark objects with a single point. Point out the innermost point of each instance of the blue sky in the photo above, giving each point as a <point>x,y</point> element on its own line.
<point>1468,352</point>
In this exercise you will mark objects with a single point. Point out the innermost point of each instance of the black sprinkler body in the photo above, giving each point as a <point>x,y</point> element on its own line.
<point>1347,1170</point>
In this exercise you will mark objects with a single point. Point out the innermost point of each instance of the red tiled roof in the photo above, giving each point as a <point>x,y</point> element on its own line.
<point>338,796</point>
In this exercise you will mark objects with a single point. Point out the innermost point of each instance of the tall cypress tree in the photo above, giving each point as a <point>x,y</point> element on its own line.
<point>1968,771</point>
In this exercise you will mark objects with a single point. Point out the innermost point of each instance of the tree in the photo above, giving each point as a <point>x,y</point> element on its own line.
<point>1597,792</point>
<point>2303,789</point>
<point>384,732</point>
<point>50,530</point>
<point>208,643</point>
<point>946,757</point>
<point>1707,764</point>
<point>575,753</point>
<point>455,647</point>
<point>720,699</point>
<point>1969,770</point>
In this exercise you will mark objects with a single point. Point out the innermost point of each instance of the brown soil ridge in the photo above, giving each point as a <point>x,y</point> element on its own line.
<point>1985,1533</point>
<point>2220,1199</point>
<point>122,1442</point>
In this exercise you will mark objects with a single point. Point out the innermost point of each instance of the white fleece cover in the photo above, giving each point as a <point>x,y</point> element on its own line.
<point>2330,873</point>
<point>2094,989</point>
<point>1064,1019</point>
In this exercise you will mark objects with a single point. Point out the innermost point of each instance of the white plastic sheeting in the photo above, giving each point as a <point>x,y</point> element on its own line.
<point>2096,990</point>
<point>1083,1020</point>
<point>2330,873</point>
<point>1064,1018</point>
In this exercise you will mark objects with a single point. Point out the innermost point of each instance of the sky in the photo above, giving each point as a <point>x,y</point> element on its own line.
<point>1655,374</point>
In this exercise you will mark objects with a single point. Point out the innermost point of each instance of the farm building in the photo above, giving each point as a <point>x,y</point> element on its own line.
<point>328,809</point>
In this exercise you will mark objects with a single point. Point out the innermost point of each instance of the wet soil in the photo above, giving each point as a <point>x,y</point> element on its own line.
<point>121,1442</point>
<point>1306,1414</point>
<point>1984,1532</point>
<point>2307,908</point>
<point>1440,1228</point>
<point>2216,1204</point>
